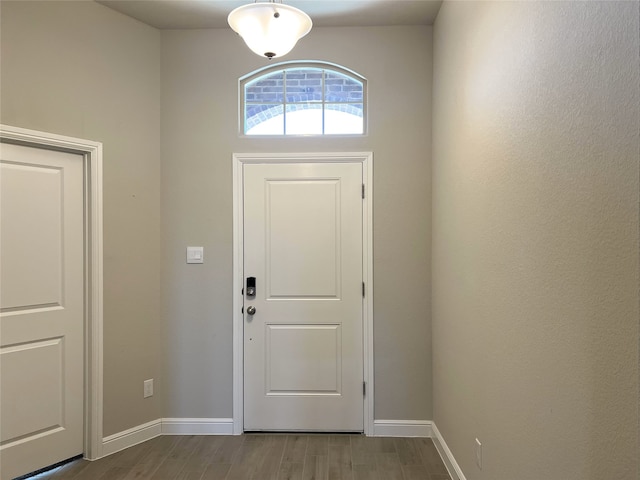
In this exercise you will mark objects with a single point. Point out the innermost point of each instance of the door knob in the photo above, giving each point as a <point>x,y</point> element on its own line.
<point>251,310</point>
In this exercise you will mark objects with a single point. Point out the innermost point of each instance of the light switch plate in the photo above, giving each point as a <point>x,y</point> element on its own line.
<point>195,254</point>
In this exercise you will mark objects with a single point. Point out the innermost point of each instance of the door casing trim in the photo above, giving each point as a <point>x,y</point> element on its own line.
<point>91,153</point>
<point>241,159</point>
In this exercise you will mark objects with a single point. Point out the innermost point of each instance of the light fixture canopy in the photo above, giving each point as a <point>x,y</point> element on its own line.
<point>270,29</point>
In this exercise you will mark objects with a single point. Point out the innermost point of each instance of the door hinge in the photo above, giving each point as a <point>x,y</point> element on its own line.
<point>242,311</point>
<point>363,190</point>
<point>364,388</point>
<point>363,289</point>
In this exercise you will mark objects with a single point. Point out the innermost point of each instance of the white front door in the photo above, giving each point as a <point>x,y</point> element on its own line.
<point>41,308</point>
<point>303,346</point>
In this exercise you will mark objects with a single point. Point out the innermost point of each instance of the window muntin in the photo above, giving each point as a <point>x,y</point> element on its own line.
<point>303,99</point>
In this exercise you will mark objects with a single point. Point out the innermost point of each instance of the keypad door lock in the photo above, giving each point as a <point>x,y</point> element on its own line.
<point>251,286</point>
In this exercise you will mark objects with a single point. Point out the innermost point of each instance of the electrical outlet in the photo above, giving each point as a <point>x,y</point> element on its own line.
<point>148,388</point>
<point>478,454</point>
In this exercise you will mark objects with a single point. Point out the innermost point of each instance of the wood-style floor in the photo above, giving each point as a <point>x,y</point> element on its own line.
<point>265,457</point>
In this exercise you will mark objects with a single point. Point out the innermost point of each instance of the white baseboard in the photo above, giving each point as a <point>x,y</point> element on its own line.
<point>447,456</point>
<point>197,426</point>
<point>224,426</point>
<point>129,438</point>
<point>402,428</point>
<point>165,426</point>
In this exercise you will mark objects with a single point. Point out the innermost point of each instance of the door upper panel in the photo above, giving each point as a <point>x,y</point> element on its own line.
<point>303,234</point>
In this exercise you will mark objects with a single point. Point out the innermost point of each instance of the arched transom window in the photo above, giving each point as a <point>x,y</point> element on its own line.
<point>303,99</point>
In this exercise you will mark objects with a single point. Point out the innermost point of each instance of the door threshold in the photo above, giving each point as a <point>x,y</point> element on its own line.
<point>301,432</point>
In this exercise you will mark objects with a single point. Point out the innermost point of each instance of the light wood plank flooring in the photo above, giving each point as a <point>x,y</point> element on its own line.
<point>264,457</point>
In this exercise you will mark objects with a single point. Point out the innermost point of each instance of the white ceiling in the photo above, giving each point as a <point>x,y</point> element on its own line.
<point>186,14</point>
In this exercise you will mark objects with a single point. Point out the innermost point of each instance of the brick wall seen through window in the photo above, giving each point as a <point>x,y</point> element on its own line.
<point>308,99</point>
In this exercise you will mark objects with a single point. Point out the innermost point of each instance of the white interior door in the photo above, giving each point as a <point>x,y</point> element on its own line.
<point>41,308</point>
<point>303,360</point>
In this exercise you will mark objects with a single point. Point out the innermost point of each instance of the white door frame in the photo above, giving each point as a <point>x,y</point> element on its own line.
<point>91,152</point>
<point>240,159</point>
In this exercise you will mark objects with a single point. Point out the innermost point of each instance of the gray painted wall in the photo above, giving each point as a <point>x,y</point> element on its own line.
<point>200,71</point>
<point>81,69</point>
<point>535,238</point>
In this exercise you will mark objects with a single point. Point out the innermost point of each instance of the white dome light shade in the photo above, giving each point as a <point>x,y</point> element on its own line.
<point>270,29</point>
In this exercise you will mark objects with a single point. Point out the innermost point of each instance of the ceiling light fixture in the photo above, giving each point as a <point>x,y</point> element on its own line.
<point>270,28</point>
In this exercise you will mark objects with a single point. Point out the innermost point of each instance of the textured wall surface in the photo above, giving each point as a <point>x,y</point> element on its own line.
<point>83,70</point>
<point>535,238</point>
<point>200,72</point>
